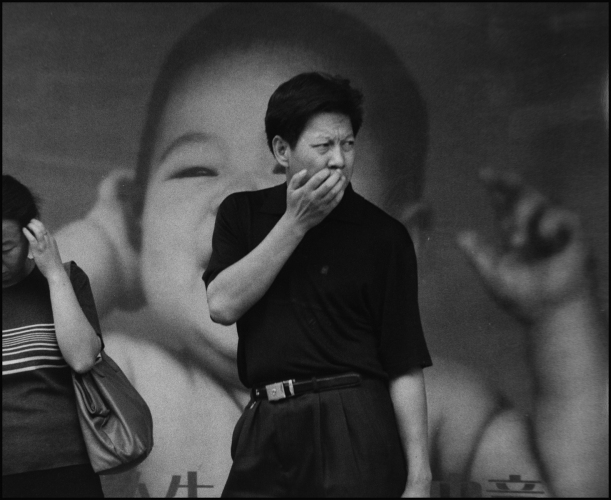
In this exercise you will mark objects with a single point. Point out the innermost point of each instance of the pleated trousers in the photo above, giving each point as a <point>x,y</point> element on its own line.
<point>336,443</point>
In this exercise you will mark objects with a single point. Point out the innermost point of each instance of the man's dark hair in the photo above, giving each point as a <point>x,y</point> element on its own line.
<point>306,95</point>
<point>18,202</point>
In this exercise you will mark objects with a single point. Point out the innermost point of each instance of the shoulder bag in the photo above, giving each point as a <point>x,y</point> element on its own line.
<point>116,422</point>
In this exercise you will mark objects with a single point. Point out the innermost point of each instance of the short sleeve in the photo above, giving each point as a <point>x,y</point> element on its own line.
<point>402,342</point>
<point>84,295</point>
<point>229,242</point>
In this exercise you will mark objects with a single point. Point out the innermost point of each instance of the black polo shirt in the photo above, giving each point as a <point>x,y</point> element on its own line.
<point>345,300</point>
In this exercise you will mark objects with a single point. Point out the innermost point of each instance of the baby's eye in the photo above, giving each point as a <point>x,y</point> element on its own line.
<point>194,172</point>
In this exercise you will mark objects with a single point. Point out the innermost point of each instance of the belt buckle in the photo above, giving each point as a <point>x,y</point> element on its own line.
<point>275,391</point>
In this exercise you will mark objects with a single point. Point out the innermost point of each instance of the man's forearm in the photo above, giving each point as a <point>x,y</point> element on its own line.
<point>571,420</point>
<point>409,401</point>
<point>237,288</point>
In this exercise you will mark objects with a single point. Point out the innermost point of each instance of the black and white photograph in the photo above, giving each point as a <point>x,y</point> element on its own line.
<point>335,249</point>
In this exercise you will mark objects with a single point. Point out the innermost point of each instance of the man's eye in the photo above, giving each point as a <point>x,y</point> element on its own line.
<point>194,172</point>
<point>322,147</point>
<point>348,146</point>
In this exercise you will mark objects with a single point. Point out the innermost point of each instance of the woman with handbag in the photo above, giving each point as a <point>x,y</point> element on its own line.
<point>50,328</point>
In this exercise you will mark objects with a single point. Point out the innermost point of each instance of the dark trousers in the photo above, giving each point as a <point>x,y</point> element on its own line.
<point>75,481</point>
<point>337,443</point>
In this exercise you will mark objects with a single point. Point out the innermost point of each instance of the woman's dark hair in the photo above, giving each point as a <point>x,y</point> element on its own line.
<point>18,202</point>
<point>395,110</point>
<point>302,97</point>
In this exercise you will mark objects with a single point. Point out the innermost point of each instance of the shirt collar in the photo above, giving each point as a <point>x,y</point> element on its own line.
<point>350,209</point>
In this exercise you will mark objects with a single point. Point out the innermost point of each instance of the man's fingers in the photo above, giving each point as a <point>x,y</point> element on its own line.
<point>318,178</point>
<point>481,254</point>
<point>333,180</point>
<point>338,197</point>
<point>298,180</point>
<point>337,188</point>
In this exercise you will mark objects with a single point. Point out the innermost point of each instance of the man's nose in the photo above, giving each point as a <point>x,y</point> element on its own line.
<point>337,159</point>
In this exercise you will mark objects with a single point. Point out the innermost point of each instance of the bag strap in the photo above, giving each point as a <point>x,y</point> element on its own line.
<point>67,268</point>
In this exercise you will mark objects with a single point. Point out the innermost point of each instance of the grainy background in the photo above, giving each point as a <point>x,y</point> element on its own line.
<point>515,86</point>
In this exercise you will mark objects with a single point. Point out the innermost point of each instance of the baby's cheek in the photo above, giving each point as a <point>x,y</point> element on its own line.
<point>204,240</point>
<point>161,244</point>
<point>178,228</point>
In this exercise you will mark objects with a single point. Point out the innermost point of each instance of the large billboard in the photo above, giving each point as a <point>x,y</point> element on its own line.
<point>93,93</point>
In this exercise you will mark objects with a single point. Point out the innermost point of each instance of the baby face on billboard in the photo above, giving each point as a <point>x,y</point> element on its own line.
<point>210,143</point>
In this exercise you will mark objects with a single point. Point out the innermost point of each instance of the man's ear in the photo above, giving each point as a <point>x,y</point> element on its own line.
<point>417,218</point>
<point>281,151</point>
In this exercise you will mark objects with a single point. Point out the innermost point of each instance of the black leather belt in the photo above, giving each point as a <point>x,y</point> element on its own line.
<point>290,388</point>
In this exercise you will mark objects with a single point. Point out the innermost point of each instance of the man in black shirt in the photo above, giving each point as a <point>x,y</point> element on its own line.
<point>323,287</point>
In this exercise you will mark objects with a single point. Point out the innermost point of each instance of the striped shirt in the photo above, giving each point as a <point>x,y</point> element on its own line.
<point>40,427</point>
<point>30,348</point>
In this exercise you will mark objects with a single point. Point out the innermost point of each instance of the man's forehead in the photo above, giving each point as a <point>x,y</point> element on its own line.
<point>329,125</point>
<point>338,134</point>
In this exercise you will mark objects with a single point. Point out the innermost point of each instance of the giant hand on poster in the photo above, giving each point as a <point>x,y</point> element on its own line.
<point>145,242</point>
